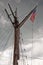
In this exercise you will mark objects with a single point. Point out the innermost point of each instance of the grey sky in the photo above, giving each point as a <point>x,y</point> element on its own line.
<point>6,28</point>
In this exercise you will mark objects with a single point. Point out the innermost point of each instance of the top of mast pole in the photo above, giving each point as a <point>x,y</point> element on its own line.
<point>16,12</point>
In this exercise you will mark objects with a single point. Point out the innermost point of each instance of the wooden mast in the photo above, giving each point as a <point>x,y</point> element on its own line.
<point>16,40</point>
<point>17,27</point>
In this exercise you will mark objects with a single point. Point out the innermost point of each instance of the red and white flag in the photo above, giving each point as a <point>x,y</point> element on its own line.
<point>33,15</point>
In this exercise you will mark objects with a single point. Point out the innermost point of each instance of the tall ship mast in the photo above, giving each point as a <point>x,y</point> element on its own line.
<point>17,26</point>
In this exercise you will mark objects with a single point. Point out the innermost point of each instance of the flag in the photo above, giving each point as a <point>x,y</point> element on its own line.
<point>33,15</point>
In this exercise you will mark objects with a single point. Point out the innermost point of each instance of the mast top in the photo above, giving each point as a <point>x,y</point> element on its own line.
<point>16,12</point>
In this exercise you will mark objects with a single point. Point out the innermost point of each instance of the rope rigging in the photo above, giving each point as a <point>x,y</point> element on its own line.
<point>8,37</point>
<point>32,46</point>
<point>3,37</point>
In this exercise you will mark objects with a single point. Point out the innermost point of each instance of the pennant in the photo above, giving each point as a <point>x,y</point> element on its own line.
<point>33,15</point>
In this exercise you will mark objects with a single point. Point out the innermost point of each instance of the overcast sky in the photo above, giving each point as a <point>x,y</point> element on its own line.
<point>7,31</point>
